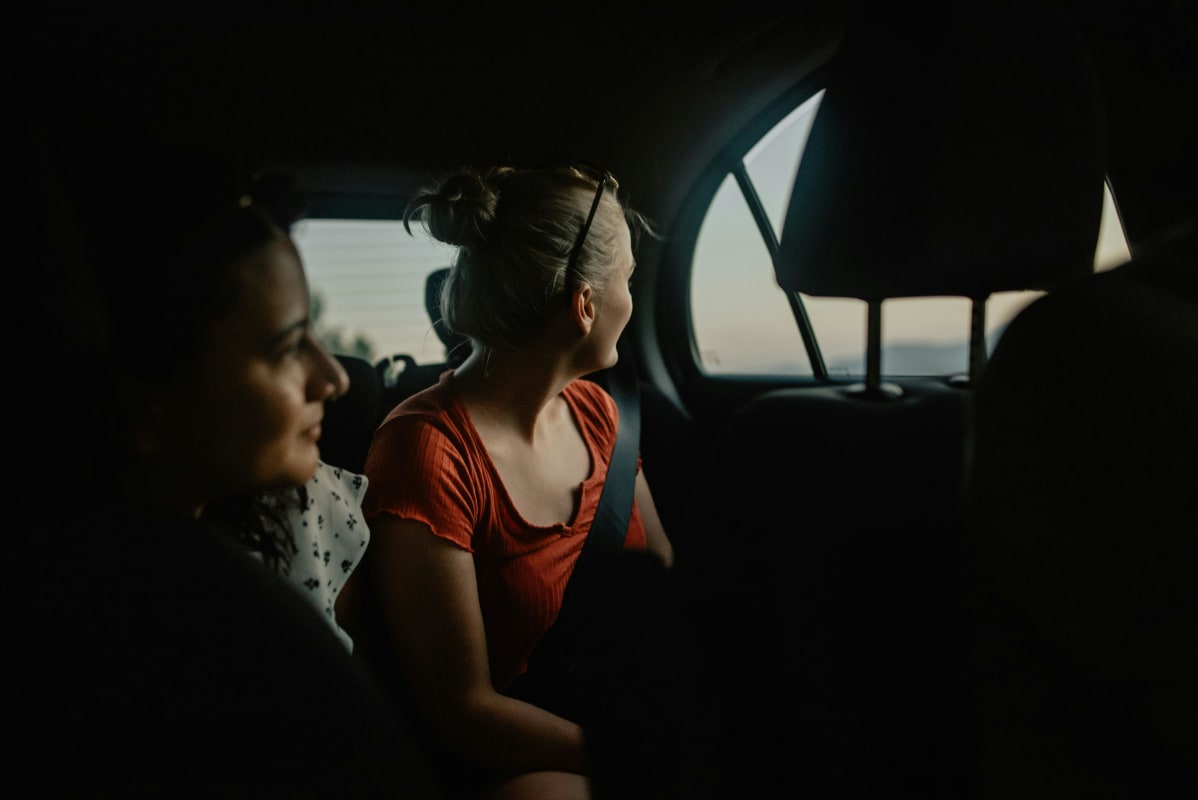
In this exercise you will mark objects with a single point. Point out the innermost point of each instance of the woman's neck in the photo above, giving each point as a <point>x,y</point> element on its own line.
<point>511,389</point>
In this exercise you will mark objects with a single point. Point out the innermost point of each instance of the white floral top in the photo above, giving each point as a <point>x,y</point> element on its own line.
<point>330,537</point>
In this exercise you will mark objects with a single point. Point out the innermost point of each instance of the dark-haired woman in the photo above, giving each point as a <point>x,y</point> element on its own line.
<point>171,664</point>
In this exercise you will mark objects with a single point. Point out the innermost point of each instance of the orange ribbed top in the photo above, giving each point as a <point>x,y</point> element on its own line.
<point>427,463</point>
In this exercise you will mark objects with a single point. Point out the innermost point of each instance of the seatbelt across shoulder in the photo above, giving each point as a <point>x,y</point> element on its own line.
<point>547,680</point>
<point>615,501</point>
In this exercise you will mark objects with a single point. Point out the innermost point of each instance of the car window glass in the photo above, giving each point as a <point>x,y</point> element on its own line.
<point>367,283</point>
<point>773,162</point>
<point>1112,247</point>
<point>839,325</point>
<point>746,321</point>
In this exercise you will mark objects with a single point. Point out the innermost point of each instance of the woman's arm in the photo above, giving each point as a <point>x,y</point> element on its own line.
<point>655,532</point>
<point>431,611</point>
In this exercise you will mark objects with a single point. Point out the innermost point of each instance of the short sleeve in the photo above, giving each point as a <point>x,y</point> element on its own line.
<point>428,470</point>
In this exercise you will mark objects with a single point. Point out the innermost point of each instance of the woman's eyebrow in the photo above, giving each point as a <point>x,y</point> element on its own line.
<point>289,330</point>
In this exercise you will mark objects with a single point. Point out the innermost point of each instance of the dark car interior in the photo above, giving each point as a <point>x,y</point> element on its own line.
<point>901,593</point>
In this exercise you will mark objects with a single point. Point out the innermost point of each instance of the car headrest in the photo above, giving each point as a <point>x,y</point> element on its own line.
<point>456,345</point>
<point>350,420</point>
<point>959,157</point>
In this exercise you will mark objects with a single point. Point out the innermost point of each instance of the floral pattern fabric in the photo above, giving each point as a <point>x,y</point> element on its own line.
<point>330,538</point>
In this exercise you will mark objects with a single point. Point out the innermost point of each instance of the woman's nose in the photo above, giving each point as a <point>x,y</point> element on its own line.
<point>340,379</point>
<point>330,378</point>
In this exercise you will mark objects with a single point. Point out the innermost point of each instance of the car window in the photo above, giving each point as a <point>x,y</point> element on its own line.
<point>742,320</point>
<point>367,280</point>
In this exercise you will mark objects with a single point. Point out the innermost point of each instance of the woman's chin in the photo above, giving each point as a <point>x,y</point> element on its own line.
<point>302,467</point>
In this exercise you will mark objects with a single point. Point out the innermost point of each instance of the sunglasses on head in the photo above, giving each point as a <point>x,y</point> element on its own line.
<point>603,180</point>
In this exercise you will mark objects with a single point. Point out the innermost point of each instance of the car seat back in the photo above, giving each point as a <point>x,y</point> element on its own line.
<point>1082,504</point>
<point>951,159</point>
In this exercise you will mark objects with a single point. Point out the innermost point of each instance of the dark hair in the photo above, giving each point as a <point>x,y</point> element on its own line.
<point>156,239</point>
<point>514,230</point>
<point>260,523</point>
<point>163,266</point>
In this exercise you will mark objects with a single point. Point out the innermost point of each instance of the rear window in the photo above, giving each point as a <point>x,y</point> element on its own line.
<point>367,281</point>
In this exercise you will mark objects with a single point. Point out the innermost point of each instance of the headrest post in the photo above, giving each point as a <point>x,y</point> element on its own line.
<point>873,388</point>
<point>873,347</point>
<point>978,351</point>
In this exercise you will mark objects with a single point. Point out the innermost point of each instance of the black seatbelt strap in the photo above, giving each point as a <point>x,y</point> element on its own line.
<point>615,501</point>
<point>548,682</point>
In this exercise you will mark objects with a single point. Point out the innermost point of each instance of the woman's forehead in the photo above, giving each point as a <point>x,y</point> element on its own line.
<point>273,290</point>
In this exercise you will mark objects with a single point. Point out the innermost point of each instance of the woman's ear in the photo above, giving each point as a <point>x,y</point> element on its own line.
<point>582,308</point>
